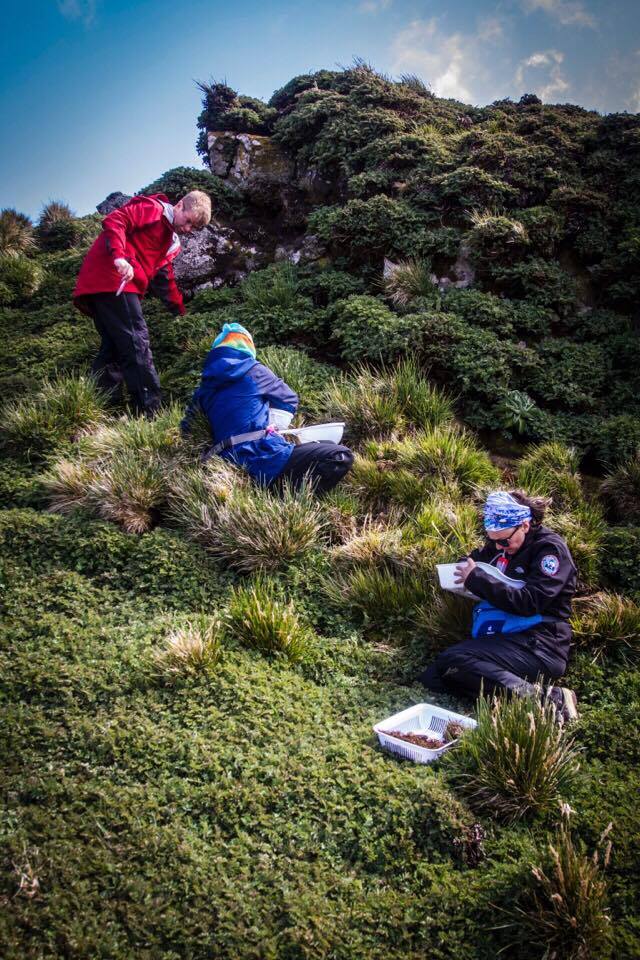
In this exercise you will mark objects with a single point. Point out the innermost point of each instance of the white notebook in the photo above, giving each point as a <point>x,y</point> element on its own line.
<point>445,575</point>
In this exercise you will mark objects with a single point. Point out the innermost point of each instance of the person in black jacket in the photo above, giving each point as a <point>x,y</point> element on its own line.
<point>520,635</point>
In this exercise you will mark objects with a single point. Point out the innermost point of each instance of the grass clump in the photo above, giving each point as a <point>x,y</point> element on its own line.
<point>448,528</point>
<point>247,526</point>
<point>387,402</point>
<point>449,456</point>
<point>565,911</point>
<point>303,374</point>
<point>55,415</point>
<point>262,620</point>
<point>518,762</point>
<point>409,280</point>
<point>381,594</point>
<point>551,470</point>
<point>129,489</point>
<point>57,227</point>
<point>621,490</point>
<point>608,624</point>
<point>20,278</point>
<point>16,233</point>
<point>584,529</point>
<point>191,649</point>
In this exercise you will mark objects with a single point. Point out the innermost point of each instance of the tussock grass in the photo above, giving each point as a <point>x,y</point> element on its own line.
<point>608,624</point>
<point>564,908</point>
<point>303,374</point>
<point>584,530</point>
<point>409,280</point>
<point>518,763</point>
<point>621,490</point>
<point>380,595</point>
<point>374,543</point>
<point>447,527</point>
<point>262,620</point>
<point>191,649</point>
<point>552,470</point>
<point>445,618</point>
<point>55,415</point>
<point>272,288</point>
<point>379,483</point>
<point>248,527</point>
<point>67,484</point>
<point>195,493</point>
<point>129,489</point>
<point>388,402</point>
<point>16,233</point>
<point>448,455</point>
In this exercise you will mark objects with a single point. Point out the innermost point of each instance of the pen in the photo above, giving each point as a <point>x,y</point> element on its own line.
<point>121,287</point>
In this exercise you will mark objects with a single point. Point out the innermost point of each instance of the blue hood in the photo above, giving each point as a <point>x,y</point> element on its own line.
<point>224,363</point>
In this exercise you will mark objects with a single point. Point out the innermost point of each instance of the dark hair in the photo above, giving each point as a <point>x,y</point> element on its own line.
<point>537,505</point>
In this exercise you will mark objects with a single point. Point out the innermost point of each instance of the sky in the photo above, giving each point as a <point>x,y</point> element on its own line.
<point>100,95</point>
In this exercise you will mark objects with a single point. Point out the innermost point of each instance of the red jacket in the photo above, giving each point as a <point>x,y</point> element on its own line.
<point>140,233</point>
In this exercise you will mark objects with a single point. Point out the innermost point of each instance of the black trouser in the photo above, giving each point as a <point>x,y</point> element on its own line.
<point>125,352</point>
<point>491,663</point>
<point>323,464</point>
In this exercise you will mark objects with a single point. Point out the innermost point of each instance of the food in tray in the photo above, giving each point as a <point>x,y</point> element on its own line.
<point>453,730</point>
<point>417,739</point>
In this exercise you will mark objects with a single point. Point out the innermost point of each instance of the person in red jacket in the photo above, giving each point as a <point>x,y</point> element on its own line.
<point>133,255</point>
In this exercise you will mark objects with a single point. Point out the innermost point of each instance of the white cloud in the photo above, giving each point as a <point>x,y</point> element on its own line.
<point>84,10</point>
<point>566,11</point>
<point>374,6</point>
<point>451,64</point>
<point>489,29</point>
<point>541,73</point>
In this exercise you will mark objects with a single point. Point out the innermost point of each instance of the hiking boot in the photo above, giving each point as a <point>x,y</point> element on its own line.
<point>565,702</point>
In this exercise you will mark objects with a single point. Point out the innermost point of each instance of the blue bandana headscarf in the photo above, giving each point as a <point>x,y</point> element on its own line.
<point>502,511</point>
<point>237,337</point>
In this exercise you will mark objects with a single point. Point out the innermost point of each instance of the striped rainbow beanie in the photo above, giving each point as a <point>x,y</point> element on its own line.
<point>237,337</point>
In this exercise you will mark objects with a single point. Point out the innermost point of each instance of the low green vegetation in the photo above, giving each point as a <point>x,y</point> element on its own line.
<point>192,665</point>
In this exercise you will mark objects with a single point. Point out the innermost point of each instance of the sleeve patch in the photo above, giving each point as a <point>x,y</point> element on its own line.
<point>550,564</point>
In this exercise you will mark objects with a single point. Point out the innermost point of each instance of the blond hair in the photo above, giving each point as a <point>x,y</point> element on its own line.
<point>198,204</point>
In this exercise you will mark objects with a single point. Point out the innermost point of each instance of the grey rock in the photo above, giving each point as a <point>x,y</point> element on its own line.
<point>113,202</point>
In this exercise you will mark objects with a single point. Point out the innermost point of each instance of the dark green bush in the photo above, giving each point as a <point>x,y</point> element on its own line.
<point>367,329</point>
<point>370,229</point>
<point>20,278</point>
<point>178,181</point>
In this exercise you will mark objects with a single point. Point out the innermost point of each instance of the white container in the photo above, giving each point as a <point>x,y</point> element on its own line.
<point>280,418</point>
<point>424,718</point>
<point>320,433</point>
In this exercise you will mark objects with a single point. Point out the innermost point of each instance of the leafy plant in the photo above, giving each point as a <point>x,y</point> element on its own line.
<point>621,490</point>
<point>518,762</point>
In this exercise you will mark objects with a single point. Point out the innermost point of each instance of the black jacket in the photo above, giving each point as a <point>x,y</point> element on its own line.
<point>545,563</point>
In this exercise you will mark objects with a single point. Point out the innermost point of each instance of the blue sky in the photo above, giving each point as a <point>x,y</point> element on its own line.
<point>99,95</point>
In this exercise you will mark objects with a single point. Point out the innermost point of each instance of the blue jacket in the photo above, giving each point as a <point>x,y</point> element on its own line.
<point>235,394</point>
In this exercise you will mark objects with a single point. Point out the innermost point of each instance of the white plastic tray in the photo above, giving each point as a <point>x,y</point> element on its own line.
<point>423,718</point>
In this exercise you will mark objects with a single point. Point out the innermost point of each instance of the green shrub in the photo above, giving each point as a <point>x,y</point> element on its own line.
<point>260,619</point>
<point>327,286</point>
<point>191,649</point>
<point>16,233</point>
<point>551,470</point>
<point>367,330</point>
<point>570,373</point>
<point>608,624</point>
<point>517,763</point>
<point>617,439</point>
<point>178,181</point>
<point>541,282</point>
<point>563,909</point>
<point>620,551</point>
<point>494,236</point>
<point>20,278</point>
<point>55,415</point>
<point>621,490</point>
<point>368,230</point>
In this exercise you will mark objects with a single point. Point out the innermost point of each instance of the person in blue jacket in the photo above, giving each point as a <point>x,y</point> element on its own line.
<point>520,634</point>
<point>236,394</point>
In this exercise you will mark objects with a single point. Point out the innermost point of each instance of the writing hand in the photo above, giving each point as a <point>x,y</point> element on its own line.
<point>463,570</point>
